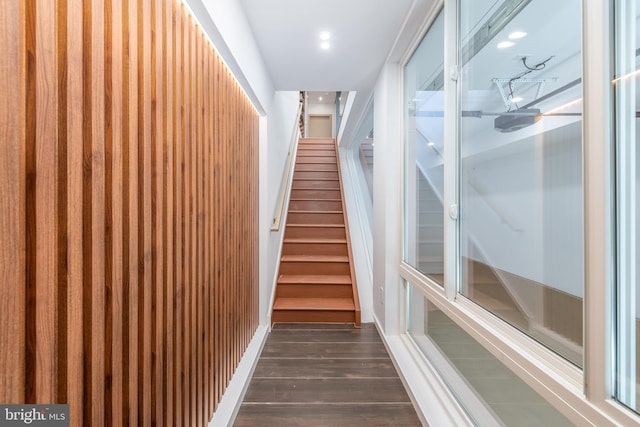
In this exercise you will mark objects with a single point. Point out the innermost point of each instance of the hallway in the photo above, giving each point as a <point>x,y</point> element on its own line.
<point>323,375</point>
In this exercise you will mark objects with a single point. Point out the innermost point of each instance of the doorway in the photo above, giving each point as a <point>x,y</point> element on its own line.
<point>320,126</point>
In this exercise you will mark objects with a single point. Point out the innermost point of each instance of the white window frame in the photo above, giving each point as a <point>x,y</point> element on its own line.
<point>582,395</point>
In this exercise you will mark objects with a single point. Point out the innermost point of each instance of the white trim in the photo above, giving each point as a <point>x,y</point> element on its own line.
<point>232,398</point>
<point>451,150</point>
<point>550,375</point>
<point>422,31</point>
<point>432,399</point>
<point>598,202</point>
<point>479,411</point>
<point>360,227</point>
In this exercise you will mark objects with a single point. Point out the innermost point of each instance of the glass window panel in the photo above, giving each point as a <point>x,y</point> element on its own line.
<point>521,166</point>
<point>489,391</point>
<point>627,100</point>
<point>424,170</point>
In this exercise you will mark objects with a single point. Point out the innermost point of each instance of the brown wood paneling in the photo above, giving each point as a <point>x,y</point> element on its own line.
<point>168,64</point>
<point>74,202</point>
<point>12,194</point>
<point>130,242</point>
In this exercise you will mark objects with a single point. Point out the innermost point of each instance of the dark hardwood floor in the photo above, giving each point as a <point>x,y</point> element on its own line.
<point>325,375</point>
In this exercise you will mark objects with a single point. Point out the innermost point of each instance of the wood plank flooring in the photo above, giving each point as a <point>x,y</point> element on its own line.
<point>325,375</point>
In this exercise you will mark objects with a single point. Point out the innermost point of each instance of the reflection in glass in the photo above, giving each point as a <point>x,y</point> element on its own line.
<point>424,171</point>
<point>521,166</point>
<point>490,392</point>
<point>627,100</point>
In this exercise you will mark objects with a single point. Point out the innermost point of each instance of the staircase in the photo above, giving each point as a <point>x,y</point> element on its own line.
<point>483,284</point>
<point>430,227</point>
<point>316,280</point>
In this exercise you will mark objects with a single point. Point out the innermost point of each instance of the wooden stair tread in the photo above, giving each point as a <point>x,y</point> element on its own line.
<point>313,240</point>
<point>337,304</point>
<point>316,212</point>
<point>316,225</point>
<point>306,199</point>
<point>315,179</point>
<point>314,258</point>
<point>315,279</point>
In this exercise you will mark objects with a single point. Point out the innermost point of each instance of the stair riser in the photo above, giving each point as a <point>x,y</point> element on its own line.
<point>315,175</point>
<point>315,205</point>
<point>315,218</point>
<point>316,153</point>
<point>431,249</point>
<point>315,232</point>
<point>316,316</point>
<point>315,194</point>
<point>314,249</point>
<point>293,290</point>
<point>430,232</point>
<point>287,267</point>
<point>316,159</point>
<point>316,167</point>
<point>431,218</point>
<point>315,185</point>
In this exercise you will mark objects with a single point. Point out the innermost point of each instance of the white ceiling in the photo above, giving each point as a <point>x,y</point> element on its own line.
<point>362,34</point>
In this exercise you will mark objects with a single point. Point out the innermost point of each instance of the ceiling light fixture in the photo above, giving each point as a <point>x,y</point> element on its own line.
<point>325,45</point>
<point>325,35</point>
<point>516,99</point>
<point>319,98</point>
<point>505,44</point>
<point>517,35</point>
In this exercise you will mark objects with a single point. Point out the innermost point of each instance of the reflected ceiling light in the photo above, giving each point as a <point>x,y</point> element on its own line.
<point>517,35</point>
<point>505,44</point>
<point>325,35</point>
<point>563,107</point>
<point>325,45</point>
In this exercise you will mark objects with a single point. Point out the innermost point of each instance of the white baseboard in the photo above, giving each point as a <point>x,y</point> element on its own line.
<point>229,406</point>
<point>432,399</point>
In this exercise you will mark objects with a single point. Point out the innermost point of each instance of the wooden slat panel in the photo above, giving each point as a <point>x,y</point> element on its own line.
<point>131,229</point>
<point>93,213</point>
<point>46,206</point>
<point>12,212</point>
<point>144,213</point>
<point>178,214</point>
<point>114,206</point>
<point>168,202</point>
<point>130,214</point>
<point>73,182</point>
<point>199,224</point>
<point>157,234</point>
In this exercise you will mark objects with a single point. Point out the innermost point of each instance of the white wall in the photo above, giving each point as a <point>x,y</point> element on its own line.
<point>387,187</point>
<point>280,129</point>
<point>226,24</point>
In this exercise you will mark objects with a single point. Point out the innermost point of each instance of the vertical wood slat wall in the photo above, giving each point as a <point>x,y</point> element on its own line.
<point>128,212</point>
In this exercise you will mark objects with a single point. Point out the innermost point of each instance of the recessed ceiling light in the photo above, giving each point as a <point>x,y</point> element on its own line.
<point>325,35</point>
<point>517,35</point>
<point>325,45</point>
<point>504,45</point>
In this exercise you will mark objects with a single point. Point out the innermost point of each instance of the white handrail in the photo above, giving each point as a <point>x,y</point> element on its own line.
<point>277,217</point>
